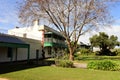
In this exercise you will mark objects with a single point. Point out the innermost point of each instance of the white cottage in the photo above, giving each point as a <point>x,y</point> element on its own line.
<point>13,48</point>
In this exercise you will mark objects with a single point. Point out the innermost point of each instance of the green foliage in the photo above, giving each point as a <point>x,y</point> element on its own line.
<point>64,63</point>
<point>66,50</point>
<point>84,51</point>
<point>107,52</point>
<point>103,65</point>
<point>117,51</point>
<point>105,42</point>
<point>77,56</point>
<point>65,57</point>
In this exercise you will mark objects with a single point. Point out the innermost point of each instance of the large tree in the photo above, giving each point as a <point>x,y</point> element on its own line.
<point>72,18</point>
<point>104,42</point>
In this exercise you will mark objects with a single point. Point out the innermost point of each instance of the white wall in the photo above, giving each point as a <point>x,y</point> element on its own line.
<point>22,54</point>
<point>32,32</point>
<point>96,49</point>
<point>34,45</point>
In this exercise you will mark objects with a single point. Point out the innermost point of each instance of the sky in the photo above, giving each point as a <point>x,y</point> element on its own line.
<point>9,20</point>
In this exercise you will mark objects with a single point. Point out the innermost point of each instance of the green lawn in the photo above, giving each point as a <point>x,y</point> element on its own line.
<point>86,59</point>
<point>57,73</point>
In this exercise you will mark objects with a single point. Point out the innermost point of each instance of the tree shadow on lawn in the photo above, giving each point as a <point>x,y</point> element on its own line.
<point>22,65</point>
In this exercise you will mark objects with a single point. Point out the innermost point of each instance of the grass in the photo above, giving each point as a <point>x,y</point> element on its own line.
<point>86,59</point>
<point>26,72</point>
<point>58,73</point>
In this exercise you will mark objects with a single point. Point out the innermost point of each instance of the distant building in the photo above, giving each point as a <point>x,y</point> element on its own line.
<point>83,45</point>
<point>96,49</point>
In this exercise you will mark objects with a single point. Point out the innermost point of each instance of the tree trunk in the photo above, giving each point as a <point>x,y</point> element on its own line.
<point>71,50</point>
<point>71,57</point>
<point>71,54</point>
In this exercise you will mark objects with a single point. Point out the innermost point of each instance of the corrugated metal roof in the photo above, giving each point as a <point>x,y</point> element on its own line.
<point>10,39</point>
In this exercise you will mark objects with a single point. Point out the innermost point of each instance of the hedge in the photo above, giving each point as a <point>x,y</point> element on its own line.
<point>108,65</point>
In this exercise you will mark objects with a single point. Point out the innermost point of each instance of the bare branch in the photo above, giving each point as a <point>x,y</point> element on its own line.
<point>72,18</point>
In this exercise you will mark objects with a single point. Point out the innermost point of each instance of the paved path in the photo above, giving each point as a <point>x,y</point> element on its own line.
<point>3,79</point>
<point>80,65</point>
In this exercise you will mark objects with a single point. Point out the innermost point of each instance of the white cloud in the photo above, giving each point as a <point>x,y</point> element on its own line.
<point>113,30</point>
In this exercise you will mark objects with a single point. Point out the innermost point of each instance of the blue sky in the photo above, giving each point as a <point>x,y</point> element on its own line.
<point>115,12</point>
<point>9,19</point>
<point>8,14</point>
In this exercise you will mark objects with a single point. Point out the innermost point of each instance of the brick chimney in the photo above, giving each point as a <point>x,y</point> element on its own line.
<point>36,22</point>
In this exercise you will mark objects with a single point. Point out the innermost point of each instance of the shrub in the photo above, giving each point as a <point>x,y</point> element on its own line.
<point>103,65</point>
<point>65,57</point>
<point>108,53</point>
<point>97,53</point>
<point>118,51</point>
<point>77,56</point>
<point>114,53</point>
<point>84,51</point>
<point>64,63</point>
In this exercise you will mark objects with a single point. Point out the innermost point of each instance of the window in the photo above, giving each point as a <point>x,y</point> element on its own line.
<point>10,52</point>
